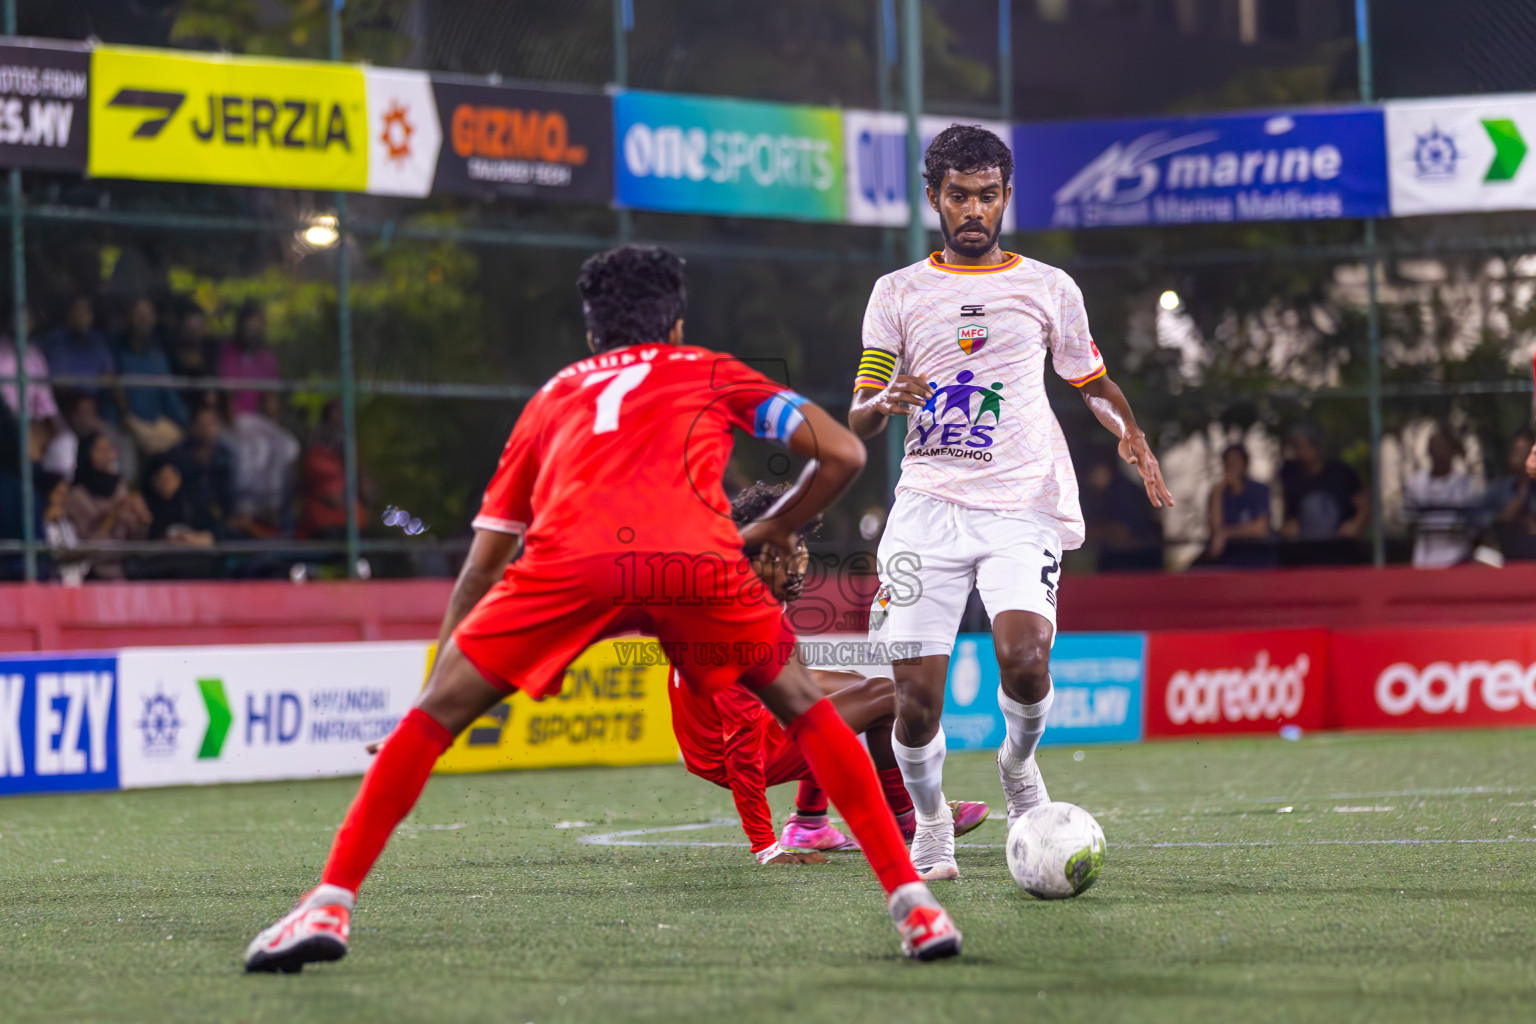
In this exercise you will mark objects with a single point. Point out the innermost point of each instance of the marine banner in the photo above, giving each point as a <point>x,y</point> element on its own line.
<point>612,709</point>
<point>44,111</point>
<point>530,143</point>
<point>158,115</point>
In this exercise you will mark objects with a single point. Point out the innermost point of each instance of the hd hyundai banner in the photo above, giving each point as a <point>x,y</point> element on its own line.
<point>1296,165</point>
<point>44,108</point>
<point>1462,154</point>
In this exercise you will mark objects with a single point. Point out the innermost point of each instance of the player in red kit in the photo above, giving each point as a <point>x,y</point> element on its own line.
<point>612,478</point>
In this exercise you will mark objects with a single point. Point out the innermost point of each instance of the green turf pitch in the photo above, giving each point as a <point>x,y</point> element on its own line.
<point>1398,888</point>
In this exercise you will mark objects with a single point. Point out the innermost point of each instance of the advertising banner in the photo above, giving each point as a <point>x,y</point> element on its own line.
<point>1296,165</point>
<point>193,715</point>
<point>1212,683</point>
<point>44,107</point>
<point>524,142</point>
<point>58,723</point>
<point>159,115</point>
<point>612,709</point>
<point>931,125</point>
<point>692,154</point>
<point>1097,678</point>
<point>1461,154</point>
<point>1434,678</point>
<point>404,135</point>
<point>875,155</point>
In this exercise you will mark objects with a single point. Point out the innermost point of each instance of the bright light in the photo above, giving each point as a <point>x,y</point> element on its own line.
<point>322,232</point>
<point>1170,300</point>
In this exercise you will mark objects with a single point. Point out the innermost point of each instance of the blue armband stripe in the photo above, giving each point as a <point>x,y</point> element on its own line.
<point>778,417</point>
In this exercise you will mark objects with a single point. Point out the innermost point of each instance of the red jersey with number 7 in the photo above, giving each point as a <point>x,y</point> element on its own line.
<point>625,451</point>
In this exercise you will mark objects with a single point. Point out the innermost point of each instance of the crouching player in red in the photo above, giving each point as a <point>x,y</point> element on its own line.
<point>729,738</point>
<point>612,476</point>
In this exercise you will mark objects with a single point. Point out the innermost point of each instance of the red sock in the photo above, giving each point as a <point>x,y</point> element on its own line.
<point>842,765</point>
<point>896,794</point>
<point>389,791</point>
<point>811,799</point>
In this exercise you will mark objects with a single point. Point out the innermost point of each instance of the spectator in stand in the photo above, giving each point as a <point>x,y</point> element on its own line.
<point>102,507</point>
<point>192,353</point>
<point>1239,516</point>
<point>155,416</point>
<point>265,453</point>
<point>62,537</point>
<point>206,464</point>
<point>1510,502</point>
<point>59,448</point>
<point>323,481</point>
<point>83,416</point>
<point>76,348</point>
<point>1443,504</point>
<point>1117,518</point>
<point>1326,507</point>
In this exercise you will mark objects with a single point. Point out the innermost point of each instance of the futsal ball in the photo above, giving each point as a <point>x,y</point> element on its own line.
<point>1055,851</point>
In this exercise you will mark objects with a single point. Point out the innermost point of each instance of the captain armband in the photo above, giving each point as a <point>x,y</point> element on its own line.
<point>876,368</point>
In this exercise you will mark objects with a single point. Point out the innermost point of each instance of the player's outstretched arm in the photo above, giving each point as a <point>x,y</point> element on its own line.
<point>488,555</point>
<point>836,459</point>
<point>872,407</point>
<point>1108,403</point>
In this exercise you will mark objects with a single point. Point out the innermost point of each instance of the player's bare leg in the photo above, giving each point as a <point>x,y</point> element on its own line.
<point>319,927</point>
<point>1022,641</point>
<point>918,743</point>
<point>838,762</point>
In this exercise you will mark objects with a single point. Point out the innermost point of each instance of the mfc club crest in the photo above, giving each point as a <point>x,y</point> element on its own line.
<point>972,337</point>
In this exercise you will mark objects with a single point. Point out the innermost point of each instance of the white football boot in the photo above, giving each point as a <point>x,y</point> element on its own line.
<point>1023,787</point>
<point>933,847</point>
<point>313,932</point>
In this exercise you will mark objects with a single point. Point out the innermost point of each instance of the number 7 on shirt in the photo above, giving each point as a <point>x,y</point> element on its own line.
<point>620,383</point>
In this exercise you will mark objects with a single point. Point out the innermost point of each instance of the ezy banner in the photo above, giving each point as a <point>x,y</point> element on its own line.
<point>1461,154</point>
<point>1294,165</point>
<point>58,723</point>
<point>44,110</point>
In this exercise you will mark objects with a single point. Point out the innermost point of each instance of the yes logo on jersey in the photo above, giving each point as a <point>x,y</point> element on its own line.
<point>972,337</point>
<point>953,421</point>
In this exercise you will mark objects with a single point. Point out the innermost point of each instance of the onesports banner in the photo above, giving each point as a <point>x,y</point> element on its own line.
<point>692,154</point>
<point>44,108</point>
<point>58,723</point>
<point>1210,683</point>
<point>157,115</point>
<point>1097,678</point>
<point>194,715</point>
<point>1461,154</point>
<point>1434,678</point>
<point>1295,165</point>
<point>612,709</point>
<point>529,143</point>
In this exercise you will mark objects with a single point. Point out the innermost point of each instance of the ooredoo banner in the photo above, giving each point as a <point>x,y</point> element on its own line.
<point>693,154</point>
<point>1214,682</point>
<point>1434,678</point>
<point>44,108</point>
<point>58,723</point>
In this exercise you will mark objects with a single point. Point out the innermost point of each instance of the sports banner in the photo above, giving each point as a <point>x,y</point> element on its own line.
<point>1461,154</point>
<point>1209,683</point>
<point>58,723</point>
<point>692,154</point>
<point>194,715</point>
<point>524,142</point>
<point>612,709</point>
<point>1097,678</point>
<point>1434,678</point>
<point>404,134</point>
<point>44,108</point>
<point>1292,165</point>
<point>875,154</point>
<point>158,115</point>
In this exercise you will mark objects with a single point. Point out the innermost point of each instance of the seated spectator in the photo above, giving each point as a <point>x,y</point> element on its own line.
<point>102,507</point>
<point>1239,516</point>
<point>62,537</point>
<point>206,464</point>
<point>248,356</point>
<point>58,453</point>
<point>83,416</point>
<point>1326,507</point>
<point>1442,502</point>
<point>76,349</point>
<point>323,481</point>
<point>192,353</point>
<point>265,452</point>
<point>1510,502</point>
<point>1118,518</point>
<point>155,416</point>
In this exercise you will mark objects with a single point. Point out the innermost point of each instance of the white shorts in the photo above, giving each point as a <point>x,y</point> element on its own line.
<point>932,554</point>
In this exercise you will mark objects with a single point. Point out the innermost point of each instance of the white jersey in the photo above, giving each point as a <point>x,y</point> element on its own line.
<point>978,335</point>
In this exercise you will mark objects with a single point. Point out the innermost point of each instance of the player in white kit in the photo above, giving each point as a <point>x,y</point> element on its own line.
<point>987,497</point>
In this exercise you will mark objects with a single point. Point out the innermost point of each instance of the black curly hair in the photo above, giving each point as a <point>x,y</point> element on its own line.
<point>752,502</point>
<point>631,295</point>
<point>965,148</point>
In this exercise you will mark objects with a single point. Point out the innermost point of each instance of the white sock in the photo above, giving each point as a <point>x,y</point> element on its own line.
<point>922,770</point>
<point>328,895</point>
<point>1025,724</point>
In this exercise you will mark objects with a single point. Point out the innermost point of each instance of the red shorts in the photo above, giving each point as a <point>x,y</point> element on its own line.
<point>539,617</point>
<point>783,762</point>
